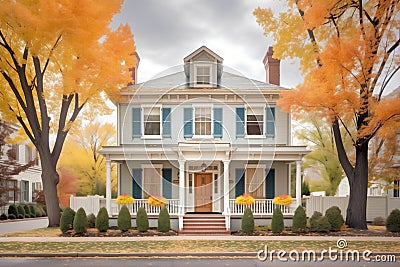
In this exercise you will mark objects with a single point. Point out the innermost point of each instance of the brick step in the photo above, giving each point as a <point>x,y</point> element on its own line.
<point>204,224</point>
<point>190,232</point>
<point>209,228</point>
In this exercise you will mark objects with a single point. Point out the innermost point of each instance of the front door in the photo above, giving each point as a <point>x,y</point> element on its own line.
<point>203,192</point>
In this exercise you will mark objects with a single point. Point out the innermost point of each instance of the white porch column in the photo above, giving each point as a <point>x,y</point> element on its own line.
<point>298,183</point>
<point>182,184</point>
<point>226,185</point>
<point>108,186</point>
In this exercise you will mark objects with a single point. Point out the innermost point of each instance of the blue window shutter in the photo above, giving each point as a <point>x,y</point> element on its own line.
<point>239,182</point>
<point>218,122</point>
<point>137,183</point>
<point>167,183</point>
<point>270,183</point>
<point>270,122</point>
<point>396,190</point>
<point>240,122</point>
<point>166,122</point>
<point>136,122</point>
<point>188,122</point>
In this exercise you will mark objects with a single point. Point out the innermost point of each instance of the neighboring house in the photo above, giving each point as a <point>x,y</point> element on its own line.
<point>202,134</point>
<point>21,188</point>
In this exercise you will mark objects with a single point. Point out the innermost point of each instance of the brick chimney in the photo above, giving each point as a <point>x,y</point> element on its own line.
<point>272,68</point>
<point>134,69</point>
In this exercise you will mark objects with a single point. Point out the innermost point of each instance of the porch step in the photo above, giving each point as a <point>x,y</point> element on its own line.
<point>204,224</point>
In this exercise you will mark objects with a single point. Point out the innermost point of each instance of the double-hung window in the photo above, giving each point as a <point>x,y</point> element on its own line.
<point>203,75</point>
<point>152,121</point>
<point>152,182</point>
<point>202,121</point>
<point>255,120</point>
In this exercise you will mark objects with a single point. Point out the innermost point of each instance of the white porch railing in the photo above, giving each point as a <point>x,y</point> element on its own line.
<point>172,206</point>
<point>259,207</point>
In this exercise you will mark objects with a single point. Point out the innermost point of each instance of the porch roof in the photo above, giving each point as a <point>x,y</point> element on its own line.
<point>191,151</point>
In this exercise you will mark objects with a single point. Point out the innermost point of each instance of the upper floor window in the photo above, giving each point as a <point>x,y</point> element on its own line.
<point>202,121</point>
<point>152,121</point>
<point>203,75</point>
<point>255,121</point>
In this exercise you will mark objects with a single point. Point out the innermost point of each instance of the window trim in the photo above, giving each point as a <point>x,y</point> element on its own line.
<point>151,136</point>
<point>196,65</point>
<point>197,136</point>
<point>250,136</point>
<point>151,166</point>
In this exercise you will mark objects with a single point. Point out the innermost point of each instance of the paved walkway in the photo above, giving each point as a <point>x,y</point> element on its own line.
<point>23,225</point>
<point>177,238</point>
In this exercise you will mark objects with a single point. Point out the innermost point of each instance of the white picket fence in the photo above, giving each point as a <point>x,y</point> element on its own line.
<point>92,204</point>
<point>259,207</point>
<point>377,206</point>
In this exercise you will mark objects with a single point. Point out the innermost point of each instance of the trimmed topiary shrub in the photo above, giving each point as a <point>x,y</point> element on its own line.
<point>80,221</point>
<point>323,224</point>
<point>248,221</point>
<point>164,222</point>
<point>379,221</point>
<point>277,224</point>
<point>38,211</point>
<point>142,222</point>
<point>299,220</point>
<point>67,220</point>
<point>32,211</point>
<point>124,219</point>
<point>335,218</point>
<point>313,221</point>
<point>12,209</point>
<point>11,216</point>
<point>27,211</point>
<point>21,211</point>
<point>91,220</point>
<point>102,221</point>
<point>3,217</point>
<point>393,221</point>
<point>45,210</point>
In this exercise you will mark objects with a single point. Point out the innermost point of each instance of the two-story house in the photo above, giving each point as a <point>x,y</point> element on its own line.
<point>201,134</point>
<point>22,188</point>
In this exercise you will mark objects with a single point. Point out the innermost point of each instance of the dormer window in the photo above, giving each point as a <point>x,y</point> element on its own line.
<point>203,75</point>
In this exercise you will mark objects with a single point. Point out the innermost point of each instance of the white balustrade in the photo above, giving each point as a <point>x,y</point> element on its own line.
<point>259,207</point>
<point>172,206</point>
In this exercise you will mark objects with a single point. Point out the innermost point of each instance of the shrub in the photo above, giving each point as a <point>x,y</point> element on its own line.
<point>164,223</point>
<point>335,218</point>
<point>11,216</point>
<point>277,224</point>
<point>142,222</point>
<point>67,220</point>
<point>299,220</point>
<point>124,219</point>
<point>32,211</point>
<point>3,217</point>
<point>27,211</point>
<point>12,209</point>
<point>21,211</point>
<point>102,221</point>
<point>80,221</point>
<point>248,221</point>
<point>313,221</point>
<point>379,221</point>
<point>45,210</point>
<point>393,221</point>
<point>323,224</point>
<point>38,211</point>
<point>91,220</point>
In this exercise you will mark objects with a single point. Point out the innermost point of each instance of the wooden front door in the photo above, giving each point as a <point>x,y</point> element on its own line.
<point>203,192</point>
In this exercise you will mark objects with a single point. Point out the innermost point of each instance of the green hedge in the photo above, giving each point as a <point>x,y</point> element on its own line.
<point>142,222</point>
<point>164,222</point>
<point>277,224</point>
<point>102,220</point>
<point>248,221</point>
<point>299,220</point>
<point>124,219</point>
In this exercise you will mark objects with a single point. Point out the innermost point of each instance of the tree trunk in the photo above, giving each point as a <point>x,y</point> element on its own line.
<point>50,180</point>
<point>357,208</point>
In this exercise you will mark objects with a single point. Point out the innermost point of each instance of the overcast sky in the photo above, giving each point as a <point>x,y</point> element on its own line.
<point>167,31</point>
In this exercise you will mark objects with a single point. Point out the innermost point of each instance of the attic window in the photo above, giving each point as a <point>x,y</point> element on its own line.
<point>203,75</point>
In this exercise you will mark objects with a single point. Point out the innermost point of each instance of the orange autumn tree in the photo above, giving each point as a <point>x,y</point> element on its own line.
<point>57,57</point>
<point>347,50</point>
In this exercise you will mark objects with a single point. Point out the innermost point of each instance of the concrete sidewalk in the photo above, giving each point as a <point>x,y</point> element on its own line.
<point>177,238</point>
<point>23,225</point>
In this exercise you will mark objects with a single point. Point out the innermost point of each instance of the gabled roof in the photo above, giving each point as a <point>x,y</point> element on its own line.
<point>206,50</point>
